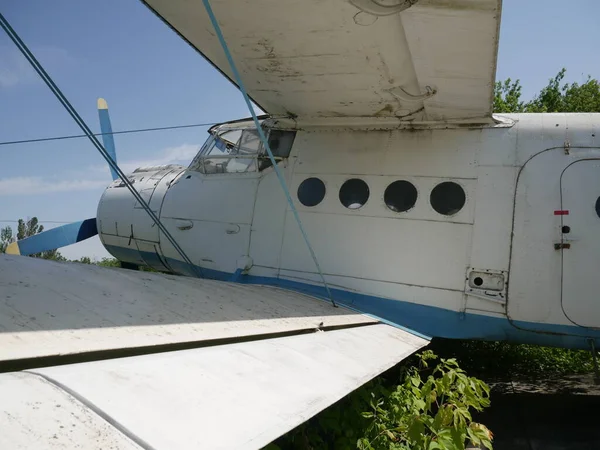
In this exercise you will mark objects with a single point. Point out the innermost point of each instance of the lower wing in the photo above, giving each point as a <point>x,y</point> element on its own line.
<point>108,358</point>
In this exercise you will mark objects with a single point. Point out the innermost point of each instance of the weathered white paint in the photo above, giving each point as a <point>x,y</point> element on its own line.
<point>511,178</point>
<point>38,415</point>
<point>49,308</point>
<point>118,211</point>
<point>344,80</point>
<point>580,195</point>
<point>174,399</point>
<point>314,58</point>
<point>179,399</point>
<point>334,71</point>
<point>237,396</point>
<point>220,207</point>
<point>269,223</point>
<point>536,266</point>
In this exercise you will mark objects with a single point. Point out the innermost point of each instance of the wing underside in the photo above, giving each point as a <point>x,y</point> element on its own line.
<point>432,60</point>
<point>104,358</point>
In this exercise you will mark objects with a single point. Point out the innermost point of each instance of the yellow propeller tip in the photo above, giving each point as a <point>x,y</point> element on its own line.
<point>102,104</point>
<point>13,249</point>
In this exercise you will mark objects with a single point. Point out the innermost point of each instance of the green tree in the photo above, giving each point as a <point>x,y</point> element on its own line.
<point>25,229</point>
<point>6,237</point>
<point>554,97</point>
<point>550,98</point>
<point>507,97</point>
<point>582,98</point>
<point>507,360</point>
<point>109,262</point>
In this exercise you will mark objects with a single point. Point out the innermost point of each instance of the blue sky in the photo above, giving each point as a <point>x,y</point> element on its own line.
<point>117,49</point>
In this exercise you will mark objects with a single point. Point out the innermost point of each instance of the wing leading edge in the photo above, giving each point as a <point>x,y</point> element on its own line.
<point>98,358</point>
<point>308,59</point>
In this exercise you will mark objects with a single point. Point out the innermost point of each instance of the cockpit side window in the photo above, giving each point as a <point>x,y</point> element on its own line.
<point>280,143</point>
<point>249,145</point>
<point>229,140</point>
<point>214,156</point>
<point>241,150</point>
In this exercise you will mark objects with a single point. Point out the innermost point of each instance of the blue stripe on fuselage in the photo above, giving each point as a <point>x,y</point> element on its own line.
<point>425,320</point>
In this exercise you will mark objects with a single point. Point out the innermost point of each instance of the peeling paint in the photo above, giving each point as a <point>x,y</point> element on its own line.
<point>314,57</point>
<point>387,110</point>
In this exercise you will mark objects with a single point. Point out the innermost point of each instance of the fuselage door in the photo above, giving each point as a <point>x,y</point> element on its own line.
<point>580,209</point>
<point>209,209</point>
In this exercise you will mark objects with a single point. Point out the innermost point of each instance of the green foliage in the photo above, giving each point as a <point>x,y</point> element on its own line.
<point>507,97</point>
<point>337,427</point>
<point>379,403</point>
<point>29,228</point>
<point>430,409</point>
<point>550,98</point>
<point>113,262</point>
<point>430,414</point>
<point>568,97</point>
<point>555,97</point>
<point>6,237</point>
<point>507,360</point>
<point>582,98</point>
<point>109,262</point>
<point>84,260</point>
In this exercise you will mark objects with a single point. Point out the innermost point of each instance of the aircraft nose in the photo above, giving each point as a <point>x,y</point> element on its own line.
<point>125,228</point>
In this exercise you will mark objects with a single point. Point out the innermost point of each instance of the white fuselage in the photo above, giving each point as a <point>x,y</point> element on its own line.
<point>494,268</point>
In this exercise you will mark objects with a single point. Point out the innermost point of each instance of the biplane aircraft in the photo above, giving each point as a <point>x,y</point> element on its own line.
<point>378,181</point>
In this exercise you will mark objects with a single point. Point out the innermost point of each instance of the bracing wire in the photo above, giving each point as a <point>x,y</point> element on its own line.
<point>12,34</point>
<point>39,221</point>
<point>265,143</point>
<point>77,136</point>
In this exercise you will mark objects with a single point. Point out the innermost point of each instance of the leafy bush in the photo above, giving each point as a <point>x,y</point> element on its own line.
<point>506,360</point>
<point>429,410</point>
<point>430,414</point>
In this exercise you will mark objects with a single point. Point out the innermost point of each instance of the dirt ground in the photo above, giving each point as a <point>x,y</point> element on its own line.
<point>559,414</point>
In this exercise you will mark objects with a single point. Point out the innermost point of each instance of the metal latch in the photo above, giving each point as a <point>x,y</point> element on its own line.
<point>184,224</point>
<point>561,245</point>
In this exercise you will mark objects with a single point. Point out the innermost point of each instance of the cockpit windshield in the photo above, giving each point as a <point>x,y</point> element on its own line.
<point>238,150</point>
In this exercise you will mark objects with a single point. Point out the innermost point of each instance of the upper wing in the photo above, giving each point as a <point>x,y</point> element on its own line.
<point>353,58</point>
<point>105,358</point>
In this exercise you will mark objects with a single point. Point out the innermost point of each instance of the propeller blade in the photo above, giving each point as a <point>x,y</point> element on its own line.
<point>54,238</point>
<point>106,129</point>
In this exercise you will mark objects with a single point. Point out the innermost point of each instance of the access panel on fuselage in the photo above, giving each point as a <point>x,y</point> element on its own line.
<point>580,204</point>
<point>209,215</point>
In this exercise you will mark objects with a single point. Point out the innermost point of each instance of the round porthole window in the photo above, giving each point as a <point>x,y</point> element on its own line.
<point>311,192</point>
<point>448,198</point>
<point>400,196</point>
<point>354,193</point>
<point>598,207</point>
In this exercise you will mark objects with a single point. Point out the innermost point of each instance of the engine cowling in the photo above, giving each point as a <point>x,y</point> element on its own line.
<point>126,230</point>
